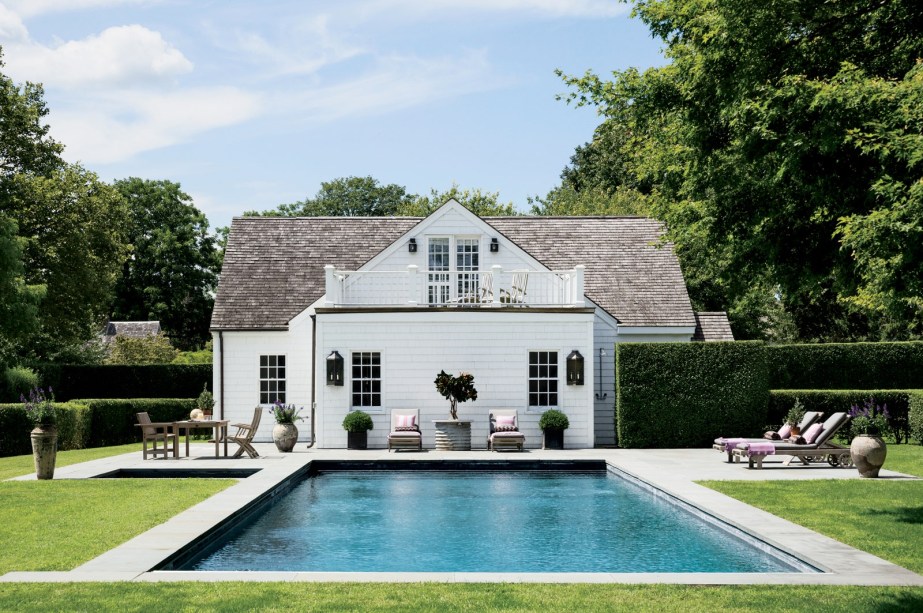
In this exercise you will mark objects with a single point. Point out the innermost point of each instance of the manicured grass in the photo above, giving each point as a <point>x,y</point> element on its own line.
<point>448,597</point>
<point>17,466</point>
<point>58,525</point>
<point>880,516</point>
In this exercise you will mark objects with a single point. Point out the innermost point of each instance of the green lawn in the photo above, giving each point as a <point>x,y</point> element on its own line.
<point>19,465</point>
<point>879,516</point>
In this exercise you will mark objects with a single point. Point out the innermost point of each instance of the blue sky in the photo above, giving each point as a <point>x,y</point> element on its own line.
<point>251,104</point>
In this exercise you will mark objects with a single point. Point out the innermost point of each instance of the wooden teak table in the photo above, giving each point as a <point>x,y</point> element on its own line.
<point>220,426</point>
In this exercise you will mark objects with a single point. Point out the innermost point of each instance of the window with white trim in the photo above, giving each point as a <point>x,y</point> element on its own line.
<point>366,379</point>
<point>543,379</point>
<point>272,378</point>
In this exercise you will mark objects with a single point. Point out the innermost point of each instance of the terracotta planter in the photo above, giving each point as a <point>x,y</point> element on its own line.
<point>285,436</point>
<point>868,453</point>
<point>357,440</point>
<point>44,450</point>
<point>553,439</point>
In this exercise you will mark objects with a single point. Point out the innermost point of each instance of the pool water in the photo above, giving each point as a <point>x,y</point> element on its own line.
<point>408,521</point>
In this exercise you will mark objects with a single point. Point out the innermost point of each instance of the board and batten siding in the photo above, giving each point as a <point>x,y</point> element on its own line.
<point>493,346</point>
<point>242,351</point>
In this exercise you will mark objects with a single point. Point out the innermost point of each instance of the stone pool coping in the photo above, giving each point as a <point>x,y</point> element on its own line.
<point>673,471</point>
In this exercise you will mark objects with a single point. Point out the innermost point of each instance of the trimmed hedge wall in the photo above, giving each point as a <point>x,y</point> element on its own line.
<point>915,416</point>
<point>687,394</point>
<point>834,401</point>
<point>118,381</point>
<point>114,419</point>
<point>846,366</point>
<point>73,428</point>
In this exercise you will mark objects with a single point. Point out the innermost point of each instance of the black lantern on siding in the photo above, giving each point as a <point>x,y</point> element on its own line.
<point>494,245</point>
<point>334,368</point>
<point>412,245</point>
<point>575,368</point>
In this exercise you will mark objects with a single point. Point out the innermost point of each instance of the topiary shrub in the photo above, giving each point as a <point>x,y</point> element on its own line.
<point>357,421</point>
<point>687,394</point>
<point>553,419</point>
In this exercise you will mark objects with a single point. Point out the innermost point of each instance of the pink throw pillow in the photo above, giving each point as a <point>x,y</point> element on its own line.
<point>505,420</point>
<point>813,432</point>
<point>785,431</point>
<point>406,421</point>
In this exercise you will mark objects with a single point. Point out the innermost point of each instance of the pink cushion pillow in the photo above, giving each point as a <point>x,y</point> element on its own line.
<point>406,421</point>
<point>505,420</point>
<point>785,431</point>
<point>813,432</point>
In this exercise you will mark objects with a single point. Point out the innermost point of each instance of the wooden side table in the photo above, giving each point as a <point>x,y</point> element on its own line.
<point>452,435</point>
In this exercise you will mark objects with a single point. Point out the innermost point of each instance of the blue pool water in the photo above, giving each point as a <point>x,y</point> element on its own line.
<point>480,522</point>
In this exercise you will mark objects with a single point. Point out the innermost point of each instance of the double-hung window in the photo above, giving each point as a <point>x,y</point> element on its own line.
<point>272,378</point>
<point>543,379</point>
<point>366,380</point>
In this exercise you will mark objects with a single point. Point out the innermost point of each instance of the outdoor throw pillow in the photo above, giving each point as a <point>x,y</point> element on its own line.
<point>505,420</point>
<point>406,429</point>
<point>785,431</point>
<point>407,421</point>
<point>813,432</point>
<point>772,435</point>
<point>500,428</point>
<point>797,440</point>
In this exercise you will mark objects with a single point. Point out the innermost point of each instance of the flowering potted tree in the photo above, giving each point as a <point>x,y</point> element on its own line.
<point>285,433</point>
<point>456,389</point>
<point>41,413</point>
<point>868,450</point>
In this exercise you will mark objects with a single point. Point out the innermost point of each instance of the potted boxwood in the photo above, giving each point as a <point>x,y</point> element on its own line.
<point>553,424</point>
<point>357,425</point>
<point>41,412</point>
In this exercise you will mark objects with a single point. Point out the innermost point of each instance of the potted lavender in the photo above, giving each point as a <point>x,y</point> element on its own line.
<point>285,433</point>
<point>867,449</point>
<point>40,411</point>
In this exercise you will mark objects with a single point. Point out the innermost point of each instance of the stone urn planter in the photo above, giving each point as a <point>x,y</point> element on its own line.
<point>285,436</point>
<point>868,453</point>
<point>44,450</point>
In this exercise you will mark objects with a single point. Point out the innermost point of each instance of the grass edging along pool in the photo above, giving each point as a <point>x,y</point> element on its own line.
<point>513,516</point>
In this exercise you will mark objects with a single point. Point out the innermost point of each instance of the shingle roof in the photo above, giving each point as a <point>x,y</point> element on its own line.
<point>131,329</point>
<point>712,326</point>
<point>274,266</point>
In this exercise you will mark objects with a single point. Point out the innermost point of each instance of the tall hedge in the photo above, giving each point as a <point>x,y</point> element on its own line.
<point>847,366</point>
<point>114,420</point>
<point>119,381</point>
<point>74,423</point>
<point>686,394</point>
<point>835,401</point>
<point>915,416</point>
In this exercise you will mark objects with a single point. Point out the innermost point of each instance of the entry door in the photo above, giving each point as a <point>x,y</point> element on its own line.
<point>437,278</point>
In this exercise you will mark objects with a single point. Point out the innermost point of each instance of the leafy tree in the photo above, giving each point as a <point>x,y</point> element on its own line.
<point>481,203</point>
<point>153,349</point>
<point>72,226</point>
<point>781,147</point>
<point>18,301</point>
<point>172,272</point>
<point>346,197</point>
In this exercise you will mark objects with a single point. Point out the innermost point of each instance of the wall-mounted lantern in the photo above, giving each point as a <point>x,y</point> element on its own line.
<point>334,368</point>
<point>412,245</point>
<point>575,368</point>
<point>494,245</point>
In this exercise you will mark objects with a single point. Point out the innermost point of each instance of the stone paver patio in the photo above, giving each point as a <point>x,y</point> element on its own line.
<point>673,471</point>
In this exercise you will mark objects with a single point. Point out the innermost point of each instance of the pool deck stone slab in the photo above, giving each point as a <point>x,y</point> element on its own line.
<point>674,471</point>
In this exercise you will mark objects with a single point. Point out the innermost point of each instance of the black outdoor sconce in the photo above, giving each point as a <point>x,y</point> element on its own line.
<point>575,368</point>
<point>334,368</point>
<point>412,245</point>
<point>494,245</point>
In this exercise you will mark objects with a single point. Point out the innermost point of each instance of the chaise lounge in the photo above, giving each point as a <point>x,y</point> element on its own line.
<point>405,430</point>
<point>504,431</point>
<point>819,449</point>
<point>727,445</point>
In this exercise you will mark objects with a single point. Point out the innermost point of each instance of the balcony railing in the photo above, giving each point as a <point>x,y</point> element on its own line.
<point>483,288</point>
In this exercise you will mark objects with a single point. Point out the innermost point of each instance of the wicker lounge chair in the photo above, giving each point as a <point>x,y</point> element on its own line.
<point>727,445</point>
<point>156,432</point>
<point>244,435</point>
<point>405,430</point>
<point>504,431</point>
<point>822,449</point>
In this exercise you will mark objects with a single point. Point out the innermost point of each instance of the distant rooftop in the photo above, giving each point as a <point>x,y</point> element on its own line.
<point>130,329</point>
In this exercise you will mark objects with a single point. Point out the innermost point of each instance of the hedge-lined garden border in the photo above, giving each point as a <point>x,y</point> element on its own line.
<point>118,381</point>
<point>74,423</point>
<point>846,366</point>
<point>686,394</point>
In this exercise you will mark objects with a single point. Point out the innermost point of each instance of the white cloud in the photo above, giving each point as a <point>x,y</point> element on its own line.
<point>118,56</point>
<point>11,26</point>
<point>397,82</point>
<point>550,8</point>
<point>112,128</point>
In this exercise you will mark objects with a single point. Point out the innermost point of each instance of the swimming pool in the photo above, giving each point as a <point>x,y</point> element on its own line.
<point>481,521</point>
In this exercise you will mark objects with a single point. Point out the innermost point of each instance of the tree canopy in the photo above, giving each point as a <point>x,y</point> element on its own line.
<point>173,268</point>
<point>782,146</point>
